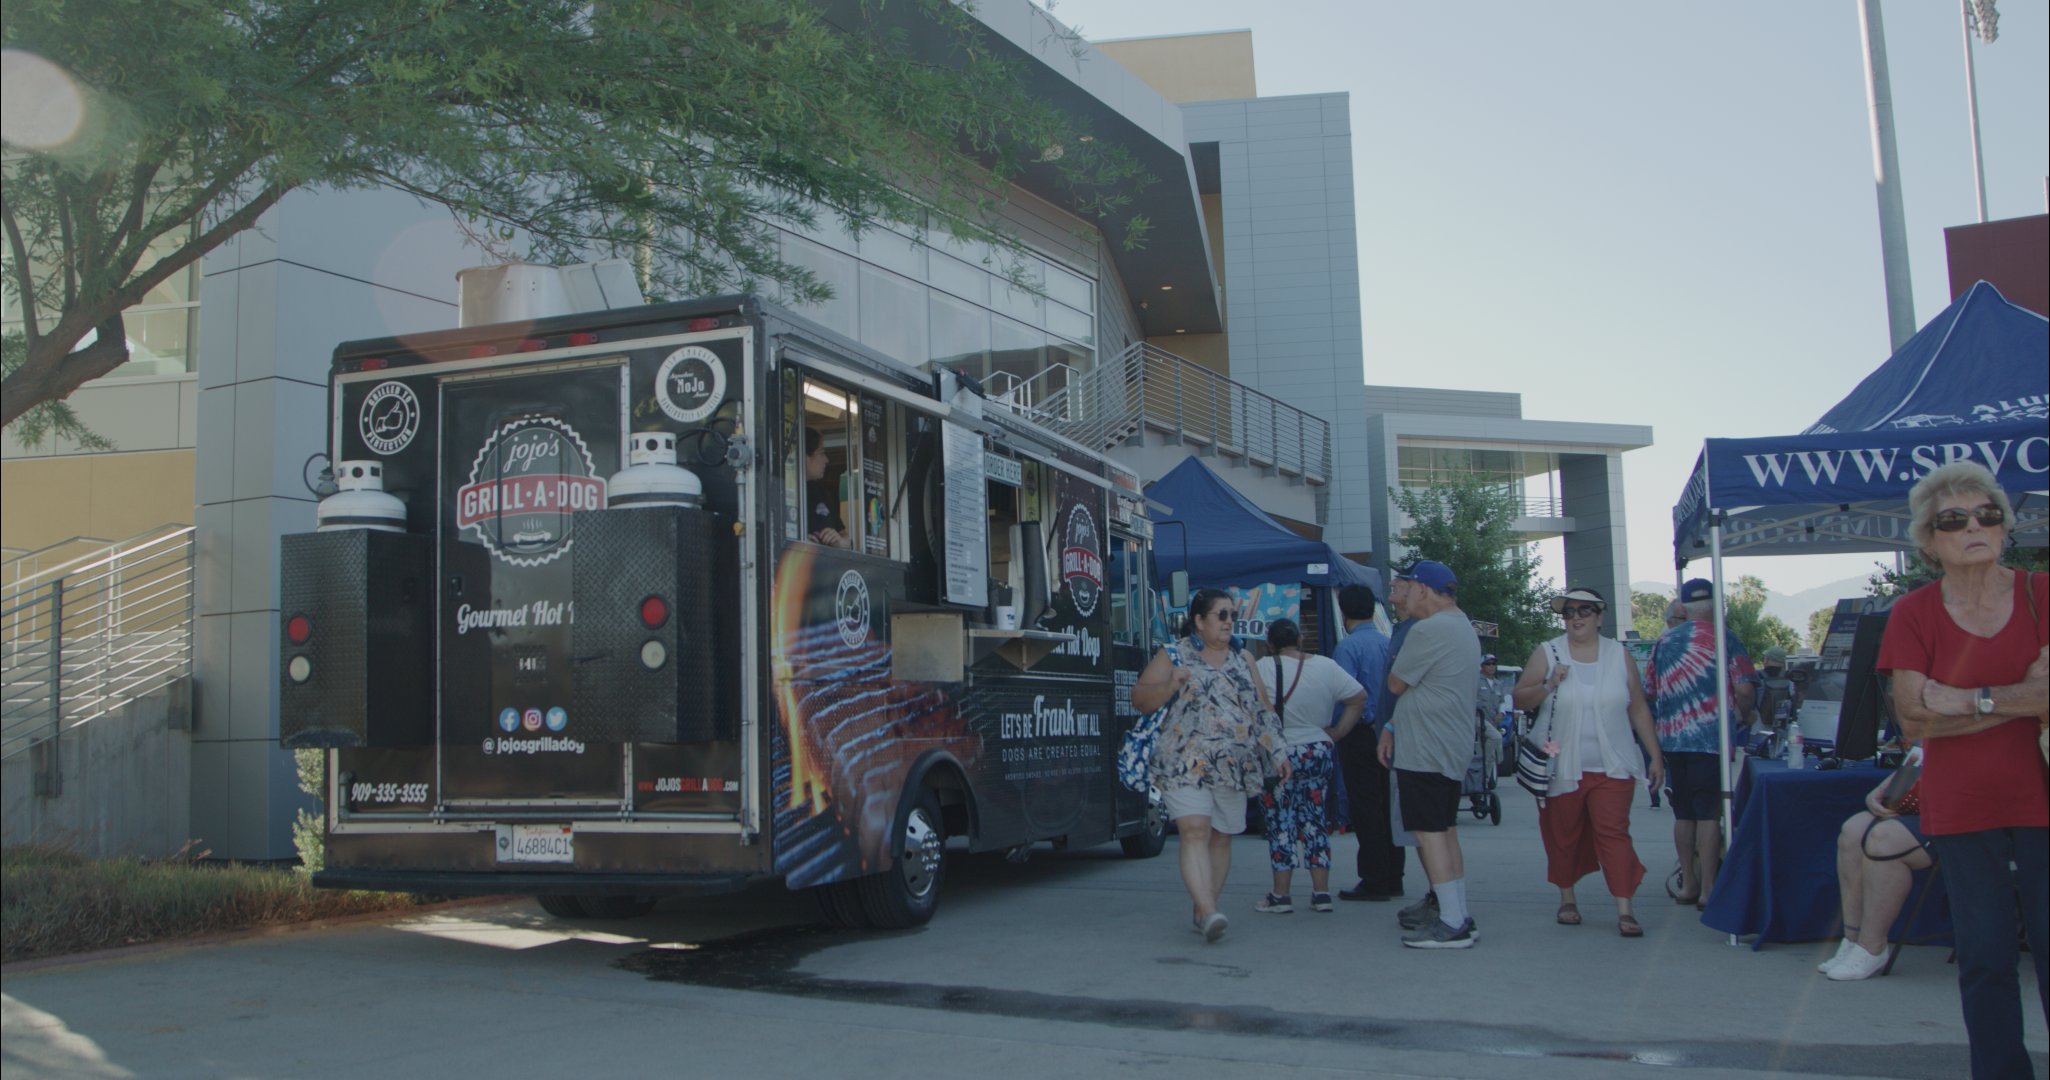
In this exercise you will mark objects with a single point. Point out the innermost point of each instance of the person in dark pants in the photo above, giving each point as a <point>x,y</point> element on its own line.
<point>1971,675</point>
<point>1364,656</point>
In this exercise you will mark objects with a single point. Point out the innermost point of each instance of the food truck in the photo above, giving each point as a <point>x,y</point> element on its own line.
<point>668,599</point>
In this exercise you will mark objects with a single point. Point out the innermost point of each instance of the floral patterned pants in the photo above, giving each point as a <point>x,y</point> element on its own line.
<point>1295,810</point>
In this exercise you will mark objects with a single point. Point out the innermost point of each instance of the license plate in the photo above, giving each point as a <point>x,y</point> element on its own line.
<point>537,844</point>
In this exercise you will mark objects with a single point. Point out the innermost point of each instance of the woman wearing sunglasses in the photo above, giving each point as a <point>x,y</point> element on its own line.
<point>1217,744</point>
<point>1969,678</point>
<point>1598,719</point>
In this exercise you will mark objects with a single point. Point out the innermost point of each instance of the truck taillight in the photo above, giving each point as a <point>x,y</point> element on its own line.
<point>298,628</point>
<point>533,344</point>
<point>654,612</point>
<point>703,324</point>
<point>478,352</point>
<point>583,337</point>
<point>375,363</point>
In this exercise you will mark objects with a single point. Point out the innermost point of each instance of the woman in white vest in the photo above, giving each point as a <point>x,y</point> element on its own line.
<point>1594,722</point>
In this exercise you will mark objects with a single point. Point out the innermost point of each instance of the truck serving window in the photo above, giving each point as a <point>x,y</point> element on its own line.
<point>849,461</point>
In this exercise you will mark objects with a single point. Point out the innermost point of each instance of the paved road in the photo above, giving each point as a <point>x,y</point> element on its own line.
<point>1069,965</point>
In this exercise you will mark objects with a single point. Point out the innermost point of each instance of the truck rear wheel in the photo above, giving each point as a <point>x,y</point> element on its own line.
<point>841,903</point>
<point>616,907</point>
<point>908,893</point>
<point>562,907</point>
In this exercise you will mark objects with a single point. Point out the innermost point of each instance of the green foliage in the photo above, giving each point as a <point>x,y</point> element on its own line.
<point>1465,524</point>
<point>1744,614</point>
<point>54,902</point>
<point>672,132</point>
<point>1648,613</point>
<point>309,830</point>
<point>1818,626</point>
<point>49,418</point>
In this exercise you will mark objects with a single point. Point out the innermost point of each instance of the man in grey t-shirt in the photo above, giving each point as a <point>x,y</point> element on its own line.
<point>1429,743</point>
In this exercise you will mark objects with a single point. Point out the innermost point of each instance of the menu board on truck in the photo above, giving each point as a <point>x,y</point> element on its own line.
<point>967,510</point>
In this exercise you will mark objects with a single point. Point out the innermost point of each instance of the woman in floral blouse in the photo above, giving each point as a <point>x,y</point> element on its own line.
<point>1217,744</point>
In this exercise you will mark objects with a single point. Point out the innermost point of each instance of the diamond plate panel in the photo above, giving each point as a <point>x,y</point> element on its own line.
<point>689,559</point>
<point>367,595</point>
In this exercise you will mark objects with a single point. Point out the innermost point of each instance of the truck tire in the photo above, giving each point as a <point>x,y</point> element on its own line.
<point>562,907</point>
<point>908,892</point>
<point>616,907</point>
<point>841,903</point>
<point>1151,838</point>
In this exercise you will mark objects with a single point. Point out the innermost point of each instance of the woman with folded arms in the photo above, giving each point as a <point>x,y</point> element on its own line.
<point>1598,722</point>
<point>1971,677</point>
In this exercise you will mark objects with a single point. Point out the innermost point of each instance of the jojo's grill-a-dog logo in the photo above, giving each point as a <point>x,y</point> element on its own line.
<point>530,477</point>
<point>1081,564</point>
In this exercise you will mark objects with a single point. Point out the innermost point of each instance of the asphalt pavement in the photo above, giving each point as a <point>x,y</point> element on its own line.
<point>1072,964</point>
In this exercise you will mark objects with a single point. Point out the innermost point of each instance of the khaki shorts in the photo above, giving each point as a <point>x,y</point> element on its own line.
<point>1225,809</point>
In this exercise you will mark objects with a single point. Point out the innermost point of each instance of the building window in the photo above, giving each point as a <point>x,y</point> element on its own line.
<point>162,330</point>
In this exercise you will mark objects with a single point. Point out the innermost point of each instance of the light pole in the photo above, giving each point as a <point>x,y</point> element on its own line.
<point>1979,16</point>
<point>1893,229</point>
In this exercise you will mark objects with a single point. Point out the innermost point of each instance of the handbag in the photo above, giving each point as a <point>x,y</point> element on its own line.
<point>1136,755</point>
<point>1533,765</point>
<point>1900,795</point>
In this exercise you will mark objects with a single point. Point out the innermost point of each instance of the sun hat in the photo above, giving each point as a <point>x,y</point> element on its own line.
<point>1588,596</point>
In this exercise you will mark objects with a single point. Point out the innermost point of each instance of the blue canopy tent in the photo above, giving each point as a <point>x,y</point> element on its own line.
<point>1231,542</point>
<point>1973,384</point>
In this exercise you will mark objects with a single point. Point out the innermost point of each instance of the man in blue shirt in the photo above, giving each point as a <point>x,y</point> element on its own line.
<point>1365,655</point>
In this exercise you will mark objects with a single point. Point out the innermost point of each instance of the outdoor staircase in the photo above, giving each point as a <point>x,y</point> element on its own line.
<point>1181,402</point>
<point>87,626</point>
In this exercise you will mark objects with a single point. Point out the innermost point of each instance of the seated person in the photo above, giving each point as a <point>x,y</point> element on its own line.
<point>1876,856</point>
<point>822,520</point>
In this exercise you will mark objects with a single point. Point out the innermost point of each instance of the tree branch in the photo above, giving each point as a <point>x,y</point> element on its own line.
<point>27,283</point>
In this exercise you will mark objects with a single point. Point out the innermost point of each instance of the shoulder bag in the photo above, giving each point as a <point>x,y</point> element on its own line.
<point>1533,765</point>
<point>1137,752</point>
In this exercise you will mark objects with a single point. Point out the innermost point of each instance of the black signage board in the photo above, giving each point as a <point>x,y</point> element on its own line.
<point>522,457</point>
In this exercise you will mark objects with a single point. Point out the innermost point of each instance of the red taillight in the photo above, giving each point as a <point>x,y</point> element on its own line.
<point>298,628</point>
<point>703,324</point>
<point>478,352</point>
<point>533,344</point>
<point>654,612</point>
<point>375,363</point>
<point>583,338</point>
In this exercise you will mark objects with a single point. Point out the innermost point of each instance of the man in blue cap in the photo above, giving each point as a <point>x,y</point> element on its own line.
<point>1364,655</point>
<point>1429,744</point>
<point>1682,682</point>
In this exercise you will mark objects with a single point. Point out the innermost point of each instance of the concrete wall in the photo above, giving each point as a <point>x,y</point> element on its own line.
<point>1189,67</point>
<point>110,496</point>
<point>125,787</point>
<point>1598,550</point>
<point>1419,399</point>
<point>1291,257</point>
<point>321,268</point>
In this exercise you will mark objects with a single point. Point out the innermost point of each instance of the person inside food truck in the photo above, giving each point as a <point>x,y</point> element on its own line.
<point>823,524</point>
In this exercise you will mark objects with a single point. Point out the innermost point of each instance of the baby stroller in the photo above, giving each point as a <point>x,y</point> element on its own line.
<point>1478,787</point>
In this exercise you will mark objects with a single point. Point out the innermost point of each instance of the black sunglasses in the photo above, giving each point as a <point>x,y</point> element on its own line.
<point>1578,610</point>
<point>1989,515</point>
<point>1223,613</point>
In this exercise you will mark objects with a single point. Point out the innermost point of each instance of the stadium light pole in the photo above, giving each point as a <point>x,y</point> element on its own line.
<point>1979,17</point>
<point>1893,228</point>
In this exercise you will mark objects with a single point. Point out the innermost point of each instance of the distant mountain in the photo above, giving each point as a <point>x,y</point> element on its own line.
<point>1792,610</point>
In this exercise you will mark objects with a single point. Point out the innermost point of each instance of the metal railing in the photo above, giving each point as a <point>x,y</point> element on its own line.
<point>85,634</point>
<point>1146,385</point>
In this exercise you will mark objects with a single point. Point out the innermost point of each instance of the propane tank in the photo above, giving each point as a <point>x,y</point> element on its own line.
<point>652,477</point>
<point>362,502</point>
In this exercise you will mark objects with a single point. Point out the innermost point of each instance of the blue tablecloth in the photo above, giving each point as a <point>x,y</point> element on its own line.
<point>1779,879</point>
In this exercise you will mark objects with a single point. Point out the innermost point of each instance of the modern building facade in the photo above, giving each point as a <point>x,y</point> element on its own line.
<point>1233,334</point>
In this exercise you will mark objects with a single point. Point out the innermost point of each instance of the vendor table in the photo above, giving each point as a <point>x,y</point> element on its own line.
<point>1779,879</point>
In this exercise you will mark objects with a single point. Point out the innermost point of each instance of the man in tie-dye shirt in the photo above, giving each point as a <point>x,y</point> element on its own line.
<point>1681,681</point>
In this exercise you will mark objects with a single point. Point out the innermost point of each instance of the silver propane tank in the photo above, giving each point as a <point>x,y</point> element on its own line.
<point>362,502</point>
<point>652,477</point>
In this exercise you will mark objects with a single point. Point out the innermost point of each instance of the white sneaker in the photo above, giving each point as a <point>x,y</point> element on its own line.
<point>1859,965</point>
<point>1843,950</point>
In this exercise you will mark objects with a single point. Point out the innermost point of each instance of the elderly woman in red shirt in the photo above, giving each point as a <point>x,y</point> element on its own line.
<point>1971,676</point>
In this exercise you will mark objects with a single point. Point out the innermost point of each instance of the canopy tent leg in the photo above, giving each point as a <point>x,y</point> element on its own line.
<point>1722,697</point>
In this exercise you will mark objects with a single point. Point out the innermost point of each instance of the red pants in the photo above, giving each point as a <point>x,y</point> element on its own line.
<point>1590,829</point>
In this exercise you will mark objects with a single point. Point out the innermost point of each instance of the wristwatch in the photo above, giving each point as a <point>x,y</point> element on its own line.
<point>1985,700</point>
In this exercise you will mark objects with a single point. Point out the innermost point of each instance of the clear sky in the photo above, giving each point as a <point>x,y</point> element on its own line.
<point>1643,213</point>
